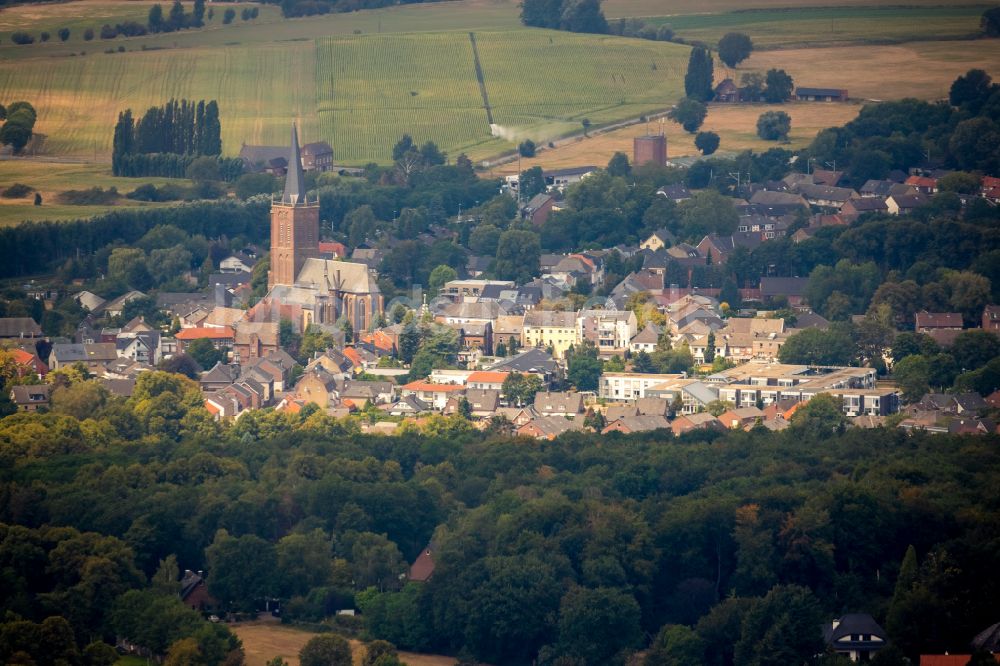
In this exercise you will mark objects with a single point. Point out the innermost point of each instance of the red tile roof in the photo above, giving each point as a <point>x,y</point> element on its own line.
<point>921,181</point>
<point>353,356</point>
<point>487,377</point>
<point>948,659</point>
<point>421,385</point>
<point>334,248</point>
<point>198,333</point>
<point>423,566</point>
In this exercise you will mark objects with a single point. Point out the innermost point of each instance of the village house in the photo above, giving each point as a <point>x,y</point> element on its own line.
<point>991,318</point>
<point>434,395</point>
<point>610,331</point>
<point>114,307</point>
<point>698,421</point>
<point>222,337</point>
<point>926,322</point>
<point>31,398</point>
<point>318,386</point>
<point>568,404</point>
<point>548,427</point>
<point>658,240</point>
<point>483,403</point>
<point>741,418</point>
<point>92,356</point>
<point>255,340</point>
<point>19,328</point>
<point>630,385</point>
<point>637,423</point>
<point>27,361</point>
<point>550,329</point>
<point>646,339</point>
<point>856,636</point>
<point>538,209</point>
<point>904,204</point>
<point>677,192</point>
<point>534,361</point>
<point>237,263</point>
<point>408,405</point>
<point>855,208</point>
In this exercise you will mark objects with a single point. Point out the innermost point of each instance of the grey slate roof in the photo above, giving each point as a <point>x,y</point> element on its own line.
<point>532,360</point>
<point>19,327</point>
<point>295,188</point>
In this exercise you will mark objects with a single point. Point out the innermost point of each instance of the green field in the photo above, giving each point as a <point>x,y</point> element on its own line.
<point>540,85</point>
<point>812,26</point>
<point>50,178</point>
<point>360,92</point>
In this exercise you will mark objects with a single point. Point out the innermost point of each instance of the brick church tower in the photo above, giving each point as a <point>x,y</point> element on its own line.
<point>294,224</point>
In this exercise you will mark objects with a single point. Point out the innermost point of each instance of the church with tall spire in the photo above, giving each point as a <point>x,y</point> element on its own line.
<point>302,286</point>
<point>294,224</point>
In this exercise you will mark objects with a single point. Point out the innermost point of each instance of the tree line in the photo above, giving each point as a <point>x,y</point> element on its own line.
<point>584,548</point>
<point>571,15</point>
<point>179,131</point>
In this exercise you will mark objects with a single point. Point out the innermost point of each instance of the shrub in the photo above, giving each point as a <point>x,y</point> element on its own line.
<point>63,34</point>
<point>44,36</point>
<point>527,148</point>
<point>773,125</point>
<point>88,35</point>
<point>108,32</point>
<point>664,33</point>
<point>95,196</point>
<point>229,15</point>
<point>22,38</point>
<point>150,192</point>
<point>131,29</point>
<point>17,191</point>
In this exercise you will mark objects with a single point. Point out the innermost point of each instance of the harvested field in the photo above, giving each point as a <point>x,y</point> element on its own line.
<point>924,70</point>
<point>817,26</point>
<point>735,125</point>
<point>619,8</point>
<point>264,641</point>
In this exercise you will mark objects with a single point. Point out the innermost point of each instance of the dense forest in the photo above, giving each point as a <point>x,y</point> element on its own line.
<point>575,551</point>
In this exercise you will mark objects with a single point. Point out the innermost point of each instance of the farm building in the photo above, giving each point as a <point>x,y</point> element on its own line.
<point>728,92</point>
<point>316,156</point>
<point>820,94</point>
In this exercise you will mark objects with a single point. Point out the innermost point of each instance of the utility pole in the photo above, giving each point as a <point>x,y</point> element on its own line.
<point>737,177</point>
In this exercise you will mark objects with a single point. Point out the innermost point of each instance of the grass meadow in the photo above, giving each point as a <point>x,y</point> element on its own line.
<point>360,92</point>
<point>541,84</point>
<point>51,178</point>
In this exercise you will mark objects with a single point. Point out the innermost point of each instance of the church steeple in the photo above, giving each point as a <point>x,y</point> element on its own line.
<point>294,224</point>
<point>295,192</point>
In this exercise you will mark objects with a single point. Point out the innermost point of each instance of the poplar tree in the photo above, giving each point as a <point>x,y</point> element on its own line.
<point>698,80</point>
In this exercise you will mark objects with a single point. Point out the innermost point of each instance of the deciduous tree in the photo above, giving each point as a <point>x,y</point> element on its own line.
<point>734,48</point>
